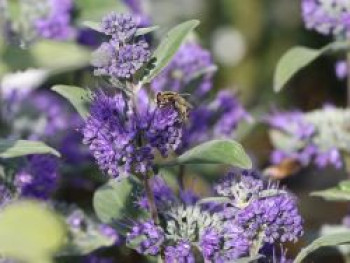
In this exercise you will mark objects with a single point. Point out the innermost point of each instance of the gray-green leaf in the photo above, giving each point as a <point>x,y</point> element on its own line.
<point>297,58</point>
<point>54,56</point>
<point>146,30</point>
<point>338,193</point>
<point>13,148</point>
<point>113,202</point>
<point>80,98</point>
<point>169,46</point>
<point>215,152</point>
<point>92,25</point>
<point>324,241</point>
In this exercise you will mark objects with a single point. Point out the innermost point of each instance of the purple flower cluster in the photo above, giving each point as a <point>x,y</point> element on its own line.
<point>96,259</point>
<point>188,65</point>
<point>260,213</point>
<point>39,178</point>
<point>124,54</point>
<point>180,253</point>
<point>327,17</point>
<point>146,237</point>
<point>56,24</point>
<point>305,139</point>
<point>122,139</point>
<point>277,217</point>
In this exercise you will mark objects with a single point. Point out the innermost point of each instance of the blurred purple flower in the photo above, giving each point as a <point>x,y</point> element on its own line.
<point>188,65</point>
<point>327,17</point>
<point>341,69</point>
<point>39,178</point>
<point>57,23</point>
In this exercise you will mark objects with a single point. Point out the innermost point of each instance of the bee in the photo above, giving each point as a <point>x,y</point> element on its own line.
<point>284,169</point>
<point>165,98</point>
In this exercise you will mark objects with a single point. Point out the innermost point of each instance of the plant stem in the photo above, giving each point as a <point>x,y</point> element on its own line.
<point>181,177</point>
<point>150,200</point>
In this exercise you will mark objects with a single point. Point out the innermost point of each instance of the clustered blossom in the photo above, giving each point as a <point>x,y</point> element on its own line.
<point>123,139</point>
<point>328,17</point>
<point>151,235</point>
<point>39,178</point>
<point>308,139</point>
<point>124,54</point>
<point>56,24</point>
<point>260,214</point>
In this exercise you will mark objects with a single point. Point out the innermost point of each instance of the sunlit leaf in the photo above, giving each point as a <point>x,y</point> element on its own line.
<point>324,241</point>
<point>54,56</point>
<point>169,46</point>
<point>338,193</point>
<point>30,232</point>
<point>13,148</point>
<point>215,152</point>
<point>299,57</point>
<point>80,98</point>
<point>113,201</point>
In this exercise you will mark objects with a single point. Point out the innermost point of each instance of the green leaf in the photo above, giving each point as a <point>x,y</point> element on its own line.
<point>338,193</point>
<point>169,46</point>
<point>216,199</point>
<point>92,25</point>
<point>299,57</point>
<point>215,152</point>
<point>92,10</point>
<point>324,241</point>
<point>30,232</point>
<point>113,202</point>
<point>146,30</point>
<point>80,98</point>
<point>54,56</point>
<point>248,259</point>
<point>13,148</point>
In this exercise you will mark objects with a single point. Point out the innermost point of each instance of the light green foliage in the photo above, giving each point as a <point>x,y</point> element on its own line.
<point>78,97</point>
<point>169,46</point>
<point>30,232</point>
<point>339,193</point>
<point>299,57</point>
<point>324,241</point>
<point>215,152</point>
<point>12,149</point>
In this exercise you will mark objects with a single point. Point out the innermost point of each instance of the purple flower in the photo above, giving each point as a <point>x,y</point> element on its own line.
<point>121,27</point>
<point>188,197</point>
<point>229,113</point>
<point>122,62</point>
<point>111,135</point>
<point>327,17</point>
<point>210,243</point>
<point>121,138</point>
<point>190,60</point>
<point>292,122</point>
<point>180,253</point>
<point>109,232</point>
<point>146,237</point>
<point>165,131</point>
<point>56,24</point>
<point>341,69</point>
<point>96,259</point>
<point>38,178</point>
<point>236,242</point>
<point>277,217</point>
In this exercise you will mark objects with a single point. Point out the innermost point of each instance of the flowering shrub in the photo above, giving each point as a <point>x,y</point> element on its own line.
<point>103,172</point>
